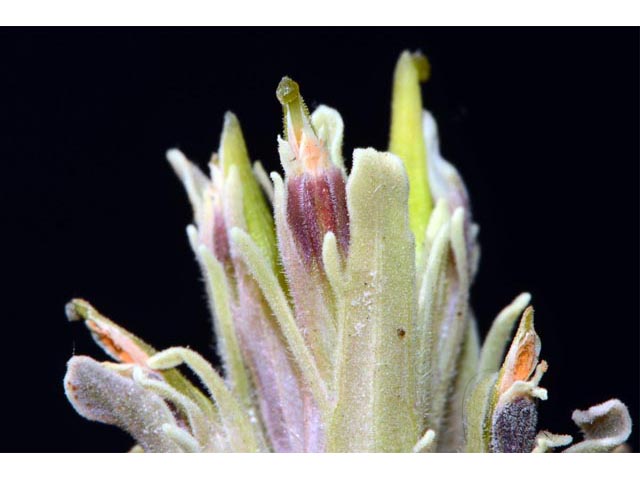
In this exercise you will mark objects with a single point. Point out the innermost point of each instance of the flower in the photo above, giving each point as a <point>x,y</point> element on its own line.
<point>340,306</point>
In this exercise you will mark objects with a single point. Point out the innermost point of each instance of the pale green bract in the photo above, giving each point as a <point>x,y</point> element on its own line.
<point>340,309</point>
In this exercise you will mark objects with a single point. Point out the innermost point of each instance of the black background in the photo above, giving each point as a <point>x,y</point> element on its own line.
<point>542,124</point>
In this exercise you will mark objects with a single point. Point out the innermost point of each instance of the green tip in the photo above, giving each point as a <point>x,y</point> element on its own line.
<point>288,91</point>
<point>526,323</point>
<point>233,150</point>
<point>407,139</point>
<point>422,65</point>
<point>293,106</point>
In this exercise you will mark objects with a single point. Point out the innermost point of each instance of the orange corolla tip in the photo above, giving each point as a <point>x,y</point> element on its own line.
<point>114,340</point>
<point>523,355</point>
<point>118,345</point>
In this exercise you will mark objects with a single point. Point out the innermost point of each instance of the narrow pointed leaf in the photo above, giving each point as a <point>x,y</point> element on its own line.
<point>233,152</point>
<point>234,419</point>
<point>452,434</point>
<point>103,395</point>
<point>605,427</point>
<point>477,414</point>
<point>498,337</point>
<point>228,345</point>
<point>280,307</point>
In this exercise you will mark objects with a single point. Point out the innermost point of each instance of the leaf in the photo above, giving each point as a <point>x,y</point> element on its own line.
<point>442,314</point>
<point>194,180</point>
<point>376,391</point>
<point>219,294</point>
<point>477,414</point>
<point>496,340</point>
<point>233,153</point>
<point>234,418</point>
<point>277,300</point>
<point>329,127</point>
<point>103,395</point>
<point>605,427</point>
<point>285,372</point>
<point>452,435</point>
<point>546,441</point>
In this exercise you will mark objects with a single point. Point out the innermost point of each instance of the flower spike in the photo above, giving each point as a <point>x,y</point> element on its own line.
<point>316,198</point>
<point>341,308</point>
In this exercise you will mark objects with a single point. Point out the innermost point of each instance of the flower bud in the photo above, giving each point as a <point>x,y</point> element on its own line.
<point>316,204</point>
<point>501,411</point>
<point>515,415</point>
<point>316,198</point>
